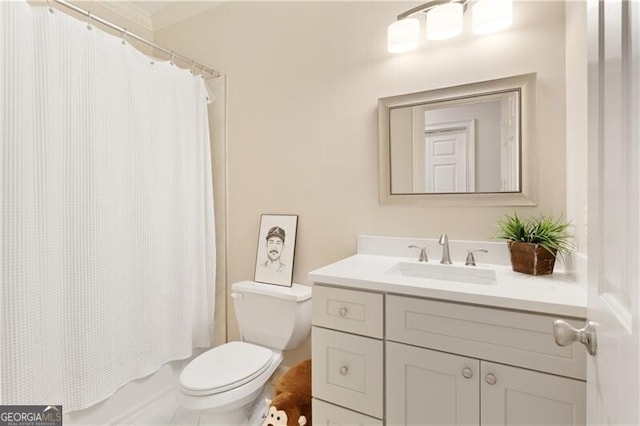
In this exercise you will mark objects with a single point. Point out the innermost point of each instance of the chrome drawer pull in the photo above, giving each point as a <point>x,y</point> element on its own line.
<point>343,312</point>
<point>491,379</point>
<point>467,373</point>
<point>344,370</point>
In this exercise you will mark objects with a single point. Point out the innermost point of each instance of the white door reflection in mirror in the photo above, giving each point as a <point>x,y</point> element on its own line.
<point>448,158</point>
<point>446,161</point>
<point>472,145</point>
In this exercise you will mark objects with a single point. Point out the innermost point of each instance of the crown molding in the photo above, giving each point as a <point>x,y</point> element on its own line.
<point>179,11</point>
<point>176,11</point>
<point>130,11</point>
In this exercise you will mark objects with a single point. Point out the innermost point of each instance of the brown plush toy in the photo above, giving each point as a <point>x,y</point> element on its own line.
<point>291,404</point>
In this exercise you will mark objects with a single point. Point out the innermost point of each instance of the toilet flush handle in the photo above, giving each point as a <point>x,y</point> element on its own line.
<point>237,295</point>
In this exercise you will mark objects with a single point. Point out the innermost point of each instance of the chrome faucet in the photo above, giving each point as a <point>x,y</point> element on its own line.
<point>444,242</point>
<point>423,253</point>
<point>471,260</point>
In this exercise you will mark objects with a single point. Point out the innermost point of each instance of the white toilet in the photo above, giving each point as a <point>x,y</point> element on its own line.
<point>222,384</point>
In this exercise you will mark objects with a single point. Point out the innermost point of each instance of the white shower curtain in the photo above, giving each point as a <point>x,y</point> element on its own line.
<point>106,224</point>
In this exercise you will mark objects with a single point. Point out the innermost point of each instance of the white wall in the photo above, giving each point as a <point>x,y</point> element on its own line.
<point>303,84</point>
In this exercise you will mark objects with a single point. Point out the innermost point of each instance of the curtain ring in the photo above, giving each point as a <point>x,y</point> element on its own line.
<point>173,57</point>
<point>124,36</point>
<point>193,64</point>
<point>89,27</point>
<point>50,7</point>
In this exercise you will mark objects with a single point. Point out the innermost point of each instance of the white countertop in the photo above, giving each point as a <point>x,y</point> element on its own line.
<point>556,294</point>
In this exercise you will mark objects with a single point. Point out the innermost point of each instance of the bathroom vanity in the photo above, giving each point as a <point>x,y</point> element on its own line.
<point>396,341</point>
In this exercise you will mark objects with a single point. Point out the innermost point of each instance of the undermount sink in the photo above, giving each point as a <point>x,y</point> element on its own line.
<point>453,273</point>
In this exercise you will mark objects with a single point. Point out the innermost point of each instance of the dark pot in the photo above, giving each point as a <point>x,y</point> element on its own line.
<point>531,258</point>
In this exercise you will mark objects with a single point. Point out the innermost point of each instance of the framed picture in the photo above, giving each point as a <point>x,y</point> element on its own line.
<point>276,245</point>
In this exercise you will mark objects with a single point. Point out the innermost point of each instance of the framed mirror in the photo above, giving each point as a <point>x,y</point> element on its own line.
<point>468,145</point>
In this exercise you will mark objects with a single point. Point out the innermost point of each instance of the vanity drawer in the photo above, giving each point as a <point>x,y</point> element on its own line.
<point>347,370</point>
<point>517,338</point>
<point>325,414</point>
<point>357,312</point>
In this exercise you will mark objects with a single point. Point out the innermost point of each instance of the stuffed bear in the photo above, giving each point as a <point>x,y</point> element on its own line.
<point>291,404</point>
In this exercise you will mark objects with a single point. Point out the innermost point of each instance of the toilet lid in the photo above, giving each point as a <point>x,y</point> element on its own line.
<point>224,367</point>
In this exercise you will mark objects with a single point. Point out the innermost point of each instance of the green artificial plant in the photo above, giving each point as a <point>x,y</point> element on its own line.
<point>548,232</point>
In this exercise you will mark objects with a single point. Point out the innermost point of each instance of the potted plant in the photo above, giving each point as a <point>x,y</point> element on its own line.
<point>535,242</point>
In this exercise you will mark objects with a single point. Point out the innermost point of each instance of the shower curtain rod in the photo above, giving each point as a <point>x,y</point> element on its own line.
<point>172,54</point>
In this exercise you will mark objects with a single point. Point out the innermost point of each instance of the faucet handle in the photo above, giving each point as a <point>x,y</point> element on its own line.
<point>471,260</point>
<point>423,253</point>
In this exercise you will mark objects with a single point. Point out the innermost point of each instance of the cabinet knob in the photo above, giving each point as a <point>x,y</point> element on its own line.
<point>491,379</point>
<point>343,312</point>
<point>344,370</point>
<point>467,373</point>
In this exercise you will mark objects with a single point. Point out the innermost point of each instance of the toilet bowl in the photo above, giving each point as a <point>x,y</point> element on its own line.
<point>220,385</point>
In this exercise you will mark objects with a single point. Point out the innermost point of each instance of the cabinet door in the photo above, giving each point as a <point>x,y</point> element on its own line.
<point>347,370</point>
<point>514,396</point>
<point>426,387</point>
<point>325,414</point>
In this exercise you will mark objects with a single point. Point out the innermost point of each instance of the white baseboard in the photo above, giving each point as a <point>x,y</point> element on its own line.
<point>276,374</point>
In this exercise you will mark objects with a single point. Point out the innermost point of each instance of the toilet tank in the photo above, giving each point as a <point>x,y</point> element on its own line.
<point>270,315</point>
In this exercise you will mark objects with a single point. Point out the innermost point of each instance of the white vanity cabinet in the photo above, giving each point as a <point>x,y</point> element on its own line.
<point>381,358</point>
<point>426,387</point>
<point>517,396</point>
<point>348,357</point>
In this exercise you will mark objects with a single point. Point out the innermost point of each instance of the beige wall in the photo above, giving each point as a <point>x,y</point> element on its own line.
<point>218,134</point>
<point>576,72</point>
<point>303,84</point>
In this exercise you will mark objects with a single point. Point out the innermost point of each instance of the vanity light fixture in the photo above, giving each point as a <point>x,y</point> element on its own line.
<point>490,16</point>
<point>445,19</point>
<point>402,35</point>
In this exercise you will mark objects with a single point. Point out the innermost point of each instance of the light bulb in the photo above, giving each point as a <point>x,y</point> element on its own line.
<point>490,16</point>
<point>444,21</point>
<point>402,35</point>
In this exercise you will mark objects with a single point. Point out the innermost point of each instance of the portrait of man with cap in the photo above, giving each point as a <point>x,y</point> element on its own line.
<point>275,245</point>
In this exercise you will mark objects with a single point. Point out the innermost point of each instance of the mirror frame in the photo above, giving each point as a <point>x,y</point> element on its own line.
<point>525,84</point>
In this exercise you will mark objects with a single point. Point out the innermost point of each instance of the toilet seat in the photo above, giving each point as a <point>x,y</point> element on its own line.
<point>224,368</point>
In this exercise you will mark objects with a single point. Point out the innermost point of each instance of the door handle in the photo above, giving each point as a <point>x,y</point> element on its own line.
<point>565,334</point>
